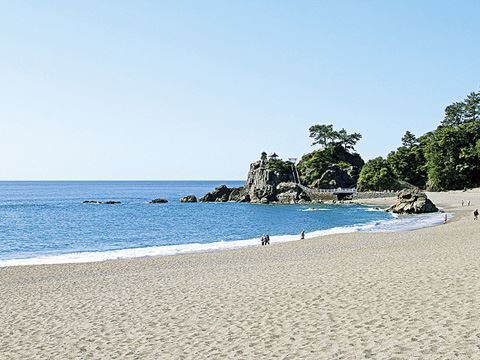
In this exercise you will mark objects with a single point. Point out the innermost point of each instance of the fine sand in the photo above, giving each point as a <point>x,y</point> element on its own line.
<point>409,295</point>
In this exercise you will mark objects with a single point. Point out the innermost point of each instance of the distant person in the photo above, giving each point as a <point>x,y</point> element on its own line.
<point>468,203</point>
<point>463,202</point>
<point>263,240</point>
<point>302,235</point>
<point>446,219</point>
<point>475,214</point>
<point>267,239</point>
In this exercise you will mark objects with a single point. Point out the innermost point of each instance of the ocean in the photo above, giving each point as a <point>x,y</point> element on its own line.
<point>45,222</point>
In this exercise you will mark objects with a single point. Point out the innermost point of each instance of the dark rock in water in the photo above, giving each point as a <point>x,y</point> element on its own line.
<point>412,201</point>
<point>158,201</point>
<point>219,194</point>
<point>239,195</point>
<point>110,202</point>
<point>189,199</point>
<point>223,193</point>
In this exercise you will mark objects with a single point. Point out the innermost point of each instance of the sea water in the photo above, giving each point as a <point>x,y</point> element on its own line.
<point>46,222</point>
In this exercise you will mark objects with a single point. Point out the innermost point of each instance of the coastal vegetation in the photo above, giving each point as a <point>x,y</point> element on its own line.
<point>447,158</point>
<point>377,175</point>
<point>335,164</point>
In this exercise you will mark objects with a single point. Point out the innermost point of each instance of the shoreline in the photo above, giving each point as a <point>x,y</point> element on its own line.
<point>388,225</point>
<point>359,295</point>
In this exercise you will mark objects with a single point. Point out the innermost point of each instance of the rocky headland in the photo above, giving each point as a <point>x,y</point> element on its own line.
<point>268,181</point>
<point>272,180</point>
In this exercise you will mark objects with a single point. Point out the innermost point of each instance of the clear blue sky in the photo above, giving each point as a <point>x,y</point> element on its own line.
<point>197,89</point>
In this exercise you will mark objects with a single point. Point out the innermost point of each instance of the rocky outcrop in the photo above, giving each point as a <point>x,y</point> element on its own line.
<point>289,192</point>
<point>337,177</point>
<point>268,181</point>
<point>219,194</point>
<point>272,181</point>
<point>223,193</point>
<point>189,199</point>
<point>239,195</point>
<point>412,201</point>
<point>158,201</point>
<point>332,167</point>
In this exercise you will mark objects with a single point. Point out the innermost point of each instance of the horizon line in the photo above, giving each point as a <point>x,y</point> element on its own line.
<point>123,180</point>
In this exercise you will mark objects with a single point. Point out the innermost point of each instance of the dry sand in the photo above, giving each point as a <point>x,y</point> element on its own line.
<point>410,295</point>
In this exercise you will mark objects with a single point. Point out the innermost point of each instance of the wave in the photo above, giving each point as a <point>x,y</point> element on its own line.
<point>396,223</point>
<point>315,209</point>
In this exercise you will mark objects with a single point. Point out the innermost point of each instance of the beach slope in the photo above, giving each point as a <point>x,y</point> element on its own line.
<point>405,295</point>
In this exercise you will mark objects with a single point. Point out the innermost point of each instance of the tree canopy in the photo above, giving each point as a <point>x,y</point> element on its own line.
<point>377,175</point>
<point>462,112</point>
<point>325,136</point>
<point>447,158</point>
<point>408,161</point>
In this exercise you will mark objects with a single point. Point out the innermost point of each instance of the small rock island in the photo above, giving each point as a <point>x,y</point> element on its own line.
<point>412,201</point>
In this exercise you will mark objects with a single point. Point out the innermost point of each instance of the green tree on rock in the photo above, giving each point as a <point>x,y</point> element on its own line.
<point>325,136</point>
<point>322,135</point>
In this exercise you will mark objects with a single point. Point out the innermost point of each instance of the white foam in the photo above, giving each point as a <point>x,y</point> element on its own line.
<point>397,223</point>
<point>316,209</point>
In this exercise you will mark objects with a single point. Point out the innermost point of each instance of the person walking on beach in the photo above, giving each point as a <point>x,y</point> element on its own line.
<point>463,202</point>
<point>468,203</point>
<point>302,235</point>
<point>267,239</point>
<point>446,219</point>
<point>263,240</point>
<point>475,214</point>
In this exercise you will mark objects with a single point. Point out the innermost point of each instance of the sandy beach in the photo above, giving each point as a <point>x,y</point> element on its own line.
<point>406,295</point>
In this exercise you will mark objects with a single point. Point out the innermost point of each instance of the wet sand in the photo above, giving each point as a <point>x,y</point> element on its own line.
<point>405,295</point>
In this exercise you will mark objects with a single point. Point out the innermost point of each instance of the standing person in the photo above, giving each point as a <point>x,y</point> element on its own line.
<point>263,240</point>
<point>475,214</point>
<point>267,239</point>
<point>463,202</point>
<point>468,203</point>
<point>446,219</point>
<point>302,235</point>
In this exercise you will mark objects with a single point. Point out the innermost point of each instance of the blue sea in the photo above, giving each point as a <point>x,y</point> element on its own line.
<point>46,222</point>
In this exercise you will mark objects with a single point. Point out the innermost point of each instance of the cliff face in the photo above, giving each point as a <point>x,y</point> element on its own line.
<point>274,180</point>
<point>263,179</point>
<point>268,181</point>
